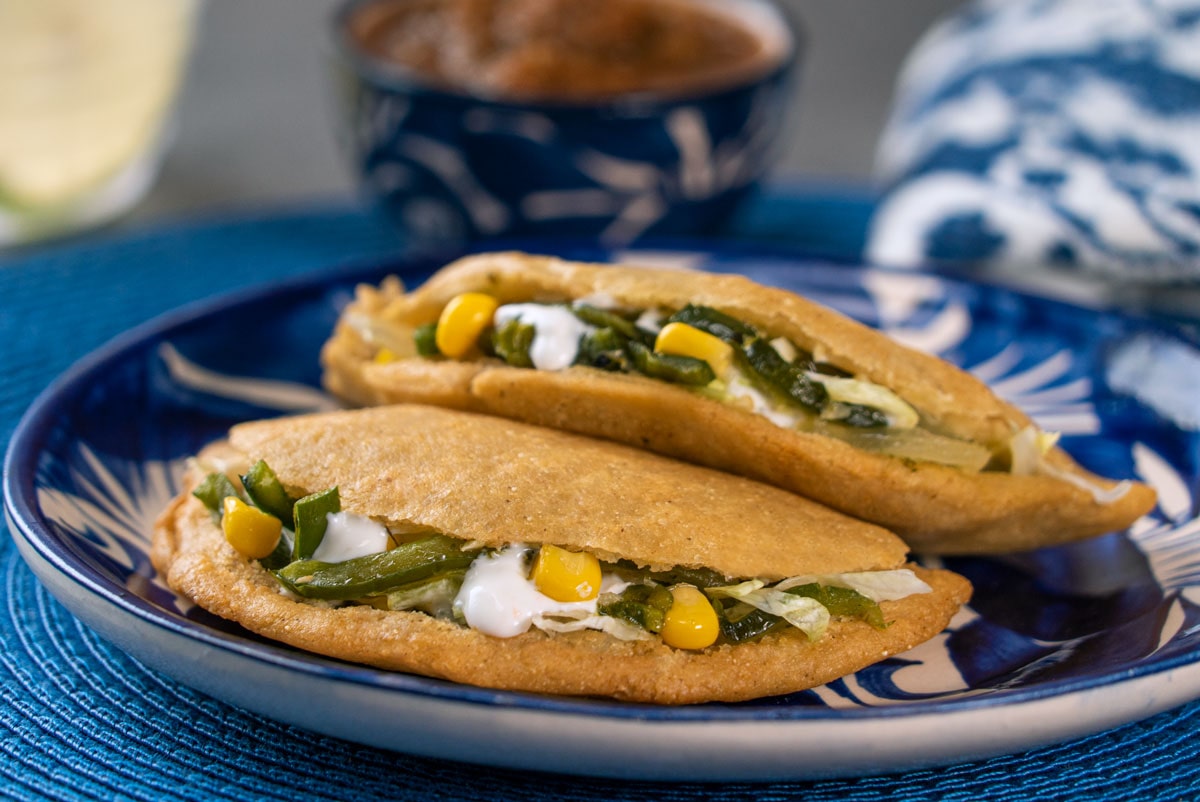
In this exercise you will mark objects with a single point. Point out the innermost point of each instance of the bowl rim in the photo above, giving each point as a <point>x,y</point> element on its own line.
<point>392,76</point>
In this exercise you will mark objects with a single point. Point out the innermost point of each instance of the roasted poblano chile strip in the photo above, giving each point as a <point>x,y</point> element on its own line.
<point>754,624</point>
<point>784,377</point>
<point>604,349</point>
<point>311,522</point>
<point>266,491</point>
<point>843,602</point>
<point>376,574</point>
<point>863,417</point>
<point>281,556</point>
<point>700,577</point>
<point>213,490</point>
<point>512,341</point>
<point>718,324</point>
<point>604,319</point>
<point>486,342</point>
<point>434,595</point>
<point>645,606</point>
<point>669,367</point>
<point>425,339</point>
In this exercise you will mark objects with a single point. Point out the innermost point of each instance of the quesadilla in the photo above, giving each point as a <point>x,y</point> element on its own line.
<point>495,553</point>
<point>723,372</point>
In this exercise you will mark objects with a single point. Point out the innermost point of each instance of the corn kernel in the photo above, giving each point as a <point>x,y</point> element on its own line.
<point>252,532</point>
<point>384,355</point>
<point>681,339</point>
<point>691,623</point>
<point>566,576</point>
<point>462,321</point>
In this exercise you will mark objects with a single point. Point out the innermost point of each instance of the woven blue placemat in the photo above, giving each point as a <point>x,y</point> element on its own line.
<point>81,720</point>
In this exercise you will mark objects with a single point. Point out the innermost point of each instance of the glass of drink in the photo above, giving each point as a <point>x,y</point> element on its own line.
<point>86,92</point>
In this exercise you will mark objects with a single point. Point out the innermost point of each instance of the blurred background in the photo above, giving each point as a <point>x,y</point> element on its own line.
<point>255,128</point>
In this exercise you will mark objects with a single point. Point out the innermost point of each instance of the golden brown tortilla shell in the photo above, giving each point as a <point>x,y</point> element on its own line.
<point>496,481</point>
<point>190,551</point>
<point>936,509</point>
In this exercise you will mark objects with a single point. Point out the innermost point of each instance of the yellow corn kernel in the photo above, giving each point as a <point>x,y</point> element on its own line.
<point>566,576</point>
<point>691,623</point>
<point>252,532</point>
<point>384,355</point>
<point>462,321</point>
<point>681,339</point>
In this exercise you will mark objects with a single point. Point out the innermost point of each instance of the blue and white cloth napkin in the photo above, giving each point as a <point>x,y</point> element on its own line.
<point>1035,132</point>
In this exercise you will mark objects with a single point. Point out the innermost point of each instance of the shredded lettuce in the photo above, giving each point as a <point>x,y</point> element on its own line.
<point>806,614</point>
<point>1029,448</point>
<point>877,586</point>
<point>860,391</point>
<point>565,622</point>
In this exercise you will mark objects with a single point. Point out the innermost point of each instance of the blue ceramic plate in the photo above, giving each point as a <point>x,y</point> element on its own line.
<point>1056,644</point>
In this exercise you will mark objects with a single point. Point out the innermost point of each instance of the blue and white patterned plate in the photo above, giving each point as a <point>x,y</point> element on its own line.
<point>1056,644</point>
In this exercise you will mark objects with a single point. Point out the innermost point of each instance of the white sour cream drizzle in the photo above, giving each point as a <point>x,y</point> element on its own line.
<point>348,535</point>
<point>557,332</point>
<point>498,599</point>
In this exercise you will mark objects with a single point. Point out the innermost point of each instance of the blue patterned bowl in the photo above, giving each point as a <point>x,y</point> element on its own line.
<point>449,167</point>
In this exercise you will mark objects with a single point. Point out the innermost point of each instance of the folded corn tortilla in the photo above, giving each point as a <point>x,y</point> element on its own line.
<point>496,482</point>
<point>936,508</point>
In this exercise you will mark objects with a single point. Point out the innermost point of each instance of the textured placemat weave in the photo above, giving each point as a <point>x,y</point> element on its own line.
<point>81,720</point>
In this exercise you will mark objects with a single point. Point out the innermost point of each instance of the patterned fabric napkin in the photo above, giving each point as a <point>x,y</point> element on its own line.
<point>1035,132</point>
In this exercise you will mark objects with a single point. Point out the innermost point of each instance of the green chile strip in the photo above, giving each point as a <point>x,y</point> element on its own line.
<point>863,417</point>
<point>645,606</point>
<point>784,377</point>
<point>775,374</point>
<point>512,341</point>
<point>718,324</point>
<point>751,626</point>
<point>311,522</point>
<point>281,556</point>
<point>678,369</point>
<point>604,319</point>
<point>433,595</point>
<point>213,491</point>
<point>604,349</point>
<point>843,602</point>
<point>425,339</point>
<point>376,573</point>
<point>266,491</point>
<point>700,577</point>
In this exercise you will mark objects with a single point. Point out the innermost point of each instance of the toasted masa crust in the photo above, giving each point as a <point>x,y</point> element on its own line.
<point>496,482</point>
<point>936,509</point>
<point>190,551</point>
